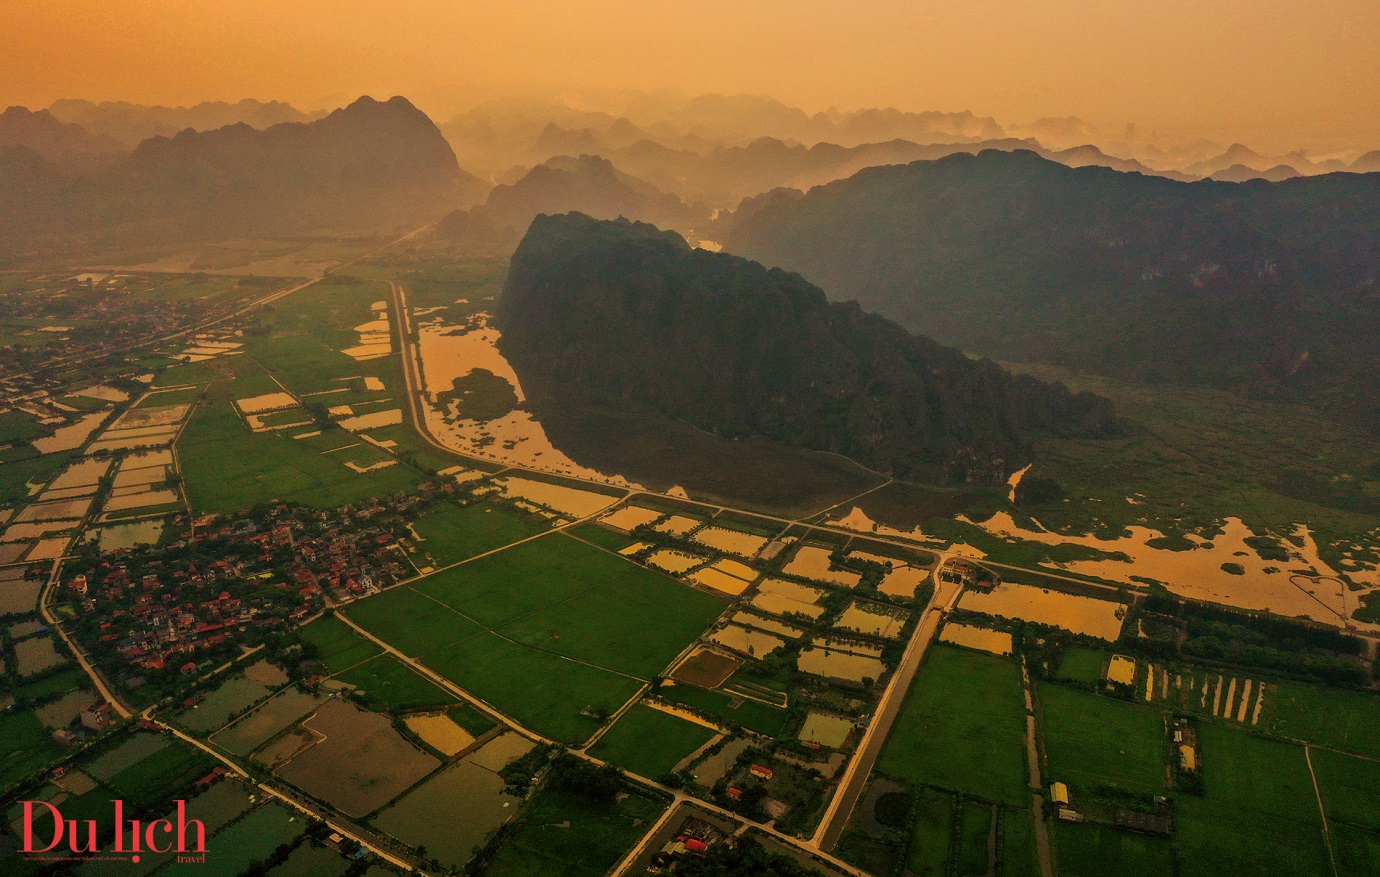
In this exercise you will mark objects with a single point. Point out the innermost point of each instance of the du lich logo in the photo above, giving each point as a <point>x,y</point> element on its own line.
<point>46,833</point>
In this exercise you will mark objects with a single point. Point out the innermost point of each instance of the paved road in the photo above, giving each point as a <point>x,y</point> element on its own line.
<point>888,708</point>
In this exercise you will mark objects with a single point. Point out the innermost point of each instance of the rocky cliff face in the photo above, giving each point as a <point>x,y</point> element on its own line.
<point>624,314</point>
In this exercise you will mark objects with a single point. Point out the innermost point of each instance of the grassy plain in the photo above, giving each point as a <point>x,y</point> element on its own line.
<point>961,727</point>
<point>564,833</point>
<point>650,742</point>
<point>1094,741</point>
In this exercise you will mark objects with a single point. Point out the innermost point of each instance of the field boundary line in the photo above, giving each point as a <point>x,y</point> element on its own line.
<point>1322,811</point>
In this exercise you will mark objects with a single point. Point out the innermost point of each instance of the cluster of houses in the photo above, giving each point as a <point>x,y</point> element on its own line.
<point>174,605</point>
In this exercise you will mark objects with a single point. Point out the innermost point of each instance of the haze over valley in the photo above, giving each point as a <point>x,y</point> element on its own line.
<point>518,439</point>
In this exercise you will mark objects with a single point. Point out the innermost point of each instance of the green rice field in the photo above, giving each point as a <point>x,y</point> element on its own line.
<point>650,742</point>
<point>961,727</point>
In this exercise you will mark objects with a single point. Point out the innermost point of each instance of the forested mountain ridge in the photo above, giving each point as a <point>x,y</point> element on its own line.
<point>1257,286</point>
<point>624,314</point>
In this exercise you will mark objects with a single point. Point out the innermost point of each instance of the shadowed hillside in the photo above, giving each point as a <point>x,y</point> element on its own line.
<point>623,314</point>
<point>1267,287</point>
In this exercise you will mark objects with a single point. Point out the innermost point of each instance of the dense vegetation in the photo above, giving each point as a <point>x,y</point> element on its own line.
<point>623,313</point>
<point>1260,286</point>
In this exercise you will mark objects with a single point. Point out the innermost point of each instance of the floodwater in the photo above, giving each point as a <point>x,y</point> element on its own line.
<point>128,536</point>
<point>65,438</point>
<point>1198,573</point>
<point>1086,615</point>
<point>516,438</point>
<point>997,642</point>
<point>812,562</point>
<point>840,665</point>
<point>566,500</point>
<point>730,541</point>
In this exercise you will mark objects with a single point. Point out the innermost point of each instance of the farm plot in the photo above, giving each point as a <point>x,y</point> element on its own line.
<point>388,685</point>
<point>310,860</point>
<point>729,710</point>
<point>813,562</point>
<point>563,832</point>
<point>36,654</point>
<point>554,696</point>
<point>147,782</point>
<point>440,732</point>
<point>337,646</point>
<point>134,749</point>
<point>232,697</point>
<point>360,763</point>
<point>1090,850</point>
<point>1345,720</point>
<point>730,541</point>
<point>1082,664</point>
<point>629,517</point>
<point>226,467</point>
<point>249,840</point>
<point>1348,785</point>
<point>561,595</point>
<point>1086,615</point>
<point>1258,814</point>
<point>651,742</point>
<point>557,609</point>
<point>706,669</point>
<point>569,501</point>
<point>833,663</point>
<point>18,595</point>
<point>996,642</point>
<point>273,716</point>
<point>451,533</point>
<point>961,727</point>
<point>780,597</point>
<point>25,746</point>
<point>410,621</point>
<point>1094,741</point>
<point>873,619</point>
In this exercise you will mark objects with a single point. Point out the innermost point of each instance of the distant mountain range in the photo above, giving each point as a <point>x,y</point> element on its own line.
<point>622,314</point>
<point>368,167</point>
<point>131,124</point>
<point>659,136</point>
<point>68,148</point>
<point>587,184</point>
<point>1266,287</point>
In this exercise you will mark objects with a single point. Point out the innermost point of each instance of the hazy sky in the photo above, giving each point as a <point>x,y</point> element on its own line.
<point>1271,72</point>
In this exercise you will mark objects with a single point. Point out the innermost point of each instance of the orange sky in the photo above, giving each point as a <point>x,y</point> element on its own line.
<point>1276,73</point>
